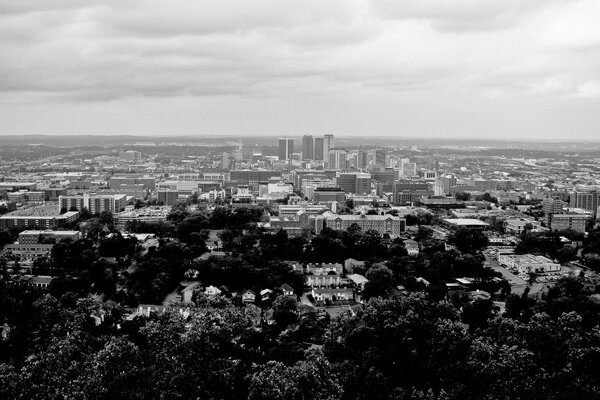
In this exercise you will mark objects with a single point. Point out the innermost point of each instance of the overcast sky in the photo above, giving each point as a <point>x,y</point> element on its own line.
<point>431,68</point>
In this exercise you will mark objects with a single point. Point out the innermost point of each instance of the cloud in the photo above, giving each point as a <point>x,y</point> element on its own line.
<point>116,49</point>
<point>558,84</point>
<point>589,90</point>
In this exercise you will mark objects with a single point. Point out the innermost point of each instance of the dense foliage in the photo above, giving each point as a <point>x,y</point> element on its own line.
<point>76,340</point>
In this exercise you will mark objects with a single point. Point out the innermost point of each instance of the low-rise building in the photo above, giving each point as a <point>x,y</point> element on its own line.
<point>526,263</point>
<point>332,294</point>
<point>560,222</point>
<point>146,214</point>
<point>383,224</point>
<point>45,217</point>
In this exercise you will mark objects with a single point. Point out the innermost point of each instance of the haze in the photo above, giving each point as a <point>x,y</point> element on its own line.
<point>458,68</point>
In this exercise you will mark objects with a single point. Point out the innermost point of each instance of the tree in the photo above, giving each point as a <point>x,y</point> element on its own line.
<point>5,238</point>
<point>380,282</point>
<point>469,240</point>
<point>423,233</point>
<point>462,196</point>
<point>285,311</point>
<point>313,378</point>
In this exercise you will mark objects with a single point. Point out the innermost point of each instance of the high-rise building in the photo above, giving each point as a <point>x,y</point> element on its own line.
<point>308,152</point>
<point>286,148</point>
<point>337,159</point>
<point>319,144</point>
<point>377,156</point>
<point>356,183</point>
<point>167,197</point>
<point>561,222</point>
<point>552,206</point>
<point>586,200</point>
<point>362,159</point>
<point>327,146</point>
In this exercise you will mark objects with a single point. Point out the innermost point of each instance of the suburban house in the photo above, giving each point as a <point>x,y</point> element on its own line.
<point>212,291</point>
<point>248,296</point>
<point>266,294</point>
<point>188,292</point>
<point>412,247</point>
<point>324,294</point>
<point>358,281</point>
<point>287,290</point>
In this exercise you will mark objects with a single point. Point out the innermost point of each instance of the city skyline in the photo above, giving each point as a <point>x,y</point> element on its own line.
<point>464,69</point>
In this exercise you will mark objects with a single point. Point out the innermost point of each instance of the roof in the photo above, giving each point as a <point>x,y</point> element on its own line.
<point>42,279</point>
<point>287,288</point>
<point>191,286</point>
<point>357,278</point>
<point>363,217</point>
<point>466,222</point>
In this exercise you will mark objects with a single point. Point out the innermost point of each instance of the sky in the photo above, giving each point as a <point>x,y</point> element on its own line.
<point>486,69</point>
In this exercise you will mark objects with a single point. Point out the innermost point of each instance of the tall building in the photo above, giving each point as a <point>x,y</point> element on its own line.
<point>286,148</point>
<point>337,159</point>
<point>406,192</point>
<point>319,152</point>
<point>167,197</point>
<point>356,183</point>
<point>561,222</point>
<point>586,200</point>
<point>308,150</point>
<point>377,156</point>
<point>362,159</point>
<point>552,206</point>
<point>327,146</point>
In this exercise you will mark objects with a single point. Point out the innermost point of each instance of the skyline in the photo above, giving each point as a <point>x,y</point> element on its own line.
<point>462,69</point>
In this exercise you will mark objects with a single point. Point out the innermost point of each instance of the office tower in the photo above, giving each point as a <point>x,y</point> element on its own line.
<point>286,148</point>
<point>337,159</point>
<point>327,145</point>
<point>354,182</point>
<point>319,149</point>
<point>586,200</point>
<point>377,156</point>
<point>362,159</point>
<point>308,147</point>
<point>552,206</point>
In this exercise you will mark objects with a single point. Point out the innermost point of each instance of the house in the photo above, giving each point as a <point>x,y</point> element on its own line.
<point>147,309</point>
<point>287,290</point>
<point>187,293</point>
<point>212,291</point>
<point>479,295</point>
<point>42,282</point>
<point>323,280</point>
<point>253,313</point>
<point>269,317</point>
<point>355,309</point>
<point>351,263</point>
<point>324,294</point>
<point>324,269</point>
<point>423,281</point>
<point>358,281</point>
<point>248,296</point>
<point>412,247</point>
<point>266,294</point>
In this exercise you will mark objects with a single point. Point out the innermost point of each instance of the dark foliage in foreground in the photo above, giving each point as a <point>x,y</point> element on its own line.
<point>403,348</point>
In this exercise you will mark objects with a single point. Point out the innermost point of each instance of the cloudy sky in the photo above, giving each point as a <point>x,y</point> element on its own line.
<point>511,69</point>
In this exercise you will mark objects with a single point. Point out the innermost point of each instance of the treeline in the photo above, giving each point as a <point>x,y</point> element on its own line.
<point>411,347</point>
